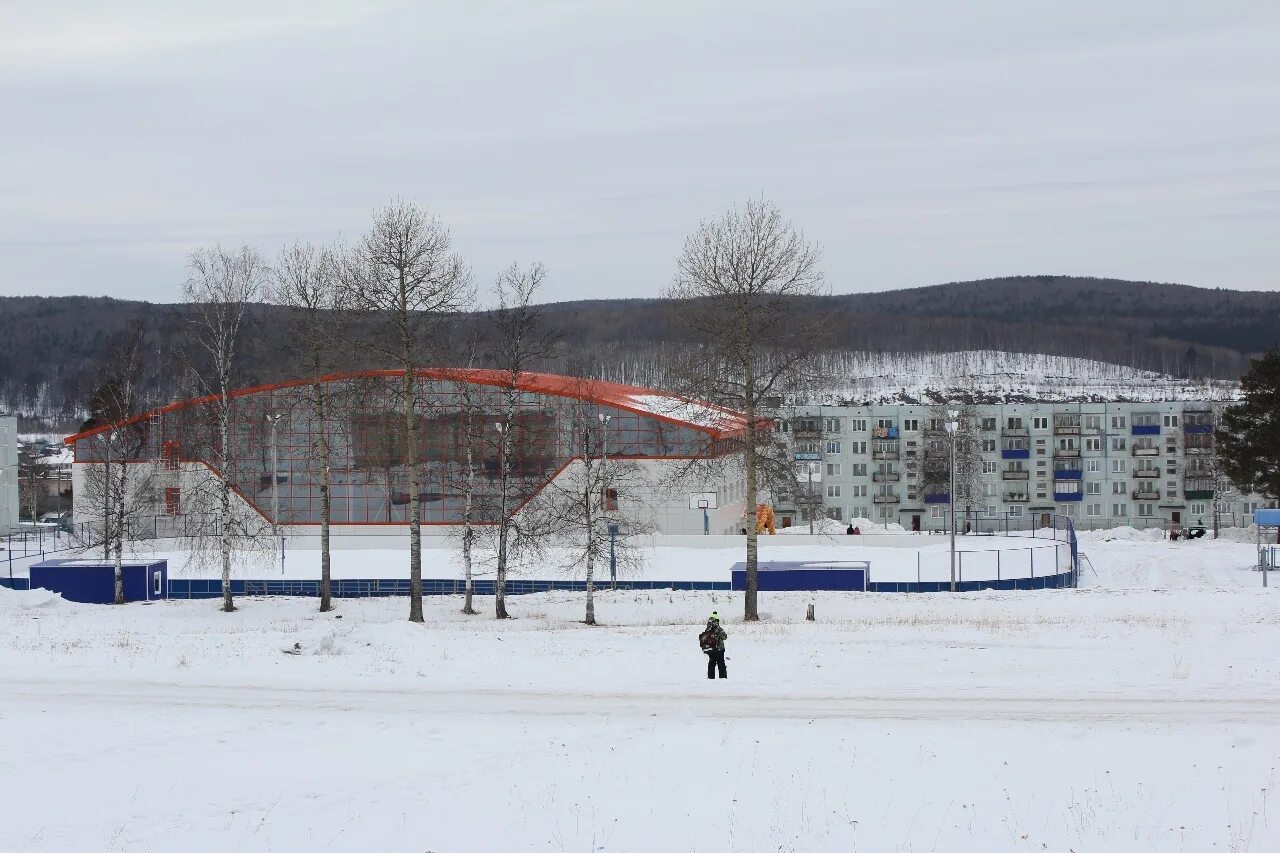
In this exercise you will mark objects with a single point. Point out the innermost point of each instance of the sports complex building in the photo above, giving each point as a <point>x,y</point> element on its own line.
<point>276,460</point>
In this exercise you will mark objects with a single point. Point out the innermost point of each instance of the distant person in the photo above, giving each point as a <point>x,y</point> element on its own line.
<point>1173,534</point>
<point>711,641</point>
<point>967,528</point>
<point>849,531</point>
<point>857,531</point>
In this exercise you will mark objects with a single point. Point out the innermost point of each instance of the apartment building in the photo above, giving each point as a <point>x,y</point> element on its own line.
<point>1104,464</point>
<point>8,474</point>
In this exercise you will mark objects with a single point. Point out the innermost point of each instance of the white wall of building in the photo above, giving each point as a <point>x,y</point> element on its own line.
<point>8,473</point>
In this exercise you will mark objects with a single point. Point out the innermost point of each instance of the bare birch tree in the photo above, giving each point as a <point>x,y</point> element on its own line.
<point>220,286</point>
<point>307,279</point>
<point>520,342</point>
<point>737,285</point>
<point>405,275</point>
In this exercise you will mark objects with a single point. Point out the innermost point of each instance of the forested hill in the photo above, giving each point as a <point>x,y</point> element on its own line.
<point>49,345</point>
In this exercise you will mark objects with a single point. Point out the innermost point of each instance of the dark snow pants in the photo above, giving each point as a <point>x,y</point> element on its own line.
<point>715,660</point>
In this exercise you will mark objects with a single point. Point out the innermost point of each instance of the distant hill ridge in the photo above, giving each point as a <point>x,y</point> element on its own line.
<point>49,345</point>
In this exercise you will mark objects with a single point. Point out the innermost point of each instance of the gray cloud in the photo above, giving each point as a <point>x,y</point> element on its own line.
<point>918,142</point>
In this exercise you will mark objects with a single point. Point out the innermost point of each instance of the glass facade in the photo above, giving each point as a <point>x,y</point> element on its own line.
<point>364,426</point>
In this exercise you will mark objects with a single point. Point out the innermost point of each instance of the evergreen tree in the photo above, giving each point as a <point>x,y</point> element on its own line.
<point>1249,438</point>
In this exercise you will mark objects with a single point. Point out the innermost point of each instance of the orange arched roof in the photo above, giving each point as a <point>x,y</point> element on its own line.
<point>715,421</point>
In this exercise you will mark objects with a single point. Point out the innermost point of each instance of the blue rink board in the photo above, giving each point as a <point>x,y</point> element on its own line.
<point>805,576</point>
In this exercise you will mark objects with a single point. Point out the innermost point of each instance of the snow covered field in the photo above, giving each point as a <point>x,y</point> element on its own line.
<point>1140,712</point>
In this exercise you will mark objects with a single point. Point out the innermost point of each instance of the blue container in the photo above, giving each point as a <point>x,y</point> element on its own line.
<point>786,576</point>
<point>1266,517</point>
<point>93,581</point>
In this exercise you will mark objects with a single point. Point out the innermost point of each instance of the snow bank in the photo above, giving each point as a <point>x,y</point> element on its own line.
<point>831,527</point>
<point>23,599</point>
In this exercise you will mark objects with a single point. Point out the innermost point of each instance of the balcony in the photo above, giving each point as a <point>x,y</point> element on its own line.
<point>1066,497</point>
<point>1016,497</point>
<point>1197,450</point>
<point>1198,494</point>
<point>1014,431</point>
<point>884,455</point>
<point>1066,453</point>
<point>1144,429</point>
<point>1146,451</point>
<point>885,433</point>
<point>1147,473</point>
<point>885,499</point>
<point>808,456</point>
<point>1015,475</point>
<point>805,432</point>
<point>1145,495</point>
<point>1197,429</point>
<point>942,498</point>
<point>1068,474</point>
<point>1016,453</point>
<point>886,477</point>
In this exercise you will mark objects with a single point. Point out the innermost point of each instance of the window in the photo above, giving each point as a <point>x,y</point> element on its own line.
<point>1119,487</point>
<point>833,469</point>
<point>884,423</point>
<point>1197,509</point>
<point>833,447</point>
<point>1170,420</point>
<point>988,489</point>
<point>1119,466</point>
<point>1070,487</point>
<point>173,501</point>
<point>1118,442</point>
<point>858,425</point>
<point>157,584</point>
<point>1015,510</point>
<point>1146,510</point>
<point>835,512</point>
<point>989,423</point>
<point>988,466</point>
<point>1094,488</point>
<point>911,425</point>
<point>1039,423</point>
<point>833,424</point>
<point>833,491</point>
<point>858,469</point>
<point>1120,510</point>
<point>1015,423</point>
<point>988,445</point>
<point>857,447</point>
<point>1093,422</point>
<point>935,511</point>
<point>611,499</point>
<point>859,491</point>
<point>1093,466</point>
<point>1171,488</point>
<point>1092,442</point>
<point>991,510</point>
<point>1117,421</point>
<point>1093,510</point>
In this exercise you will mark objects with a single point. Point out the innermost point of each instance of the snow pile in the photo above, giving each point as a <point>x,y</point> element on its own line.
<point>23,599</point>
<point>1125,534</point>
<point>831,527</point>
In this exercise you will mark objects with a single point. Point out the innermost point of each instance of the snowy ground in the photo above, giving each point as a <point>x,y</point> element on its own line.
<point>1140,712</point>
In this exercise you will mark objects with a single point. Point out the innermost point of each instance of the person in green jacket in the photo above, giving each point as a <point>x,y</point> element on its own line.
<point>713,645</point>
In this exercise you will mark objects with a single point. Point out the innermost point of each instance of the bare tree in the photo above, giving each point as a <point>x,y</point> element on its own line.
<point>935,469</point>
<point>738,283</point>
<point>520,342</point>
<point>405,275</point>
<point>307,279</point>
<point>220,286</point>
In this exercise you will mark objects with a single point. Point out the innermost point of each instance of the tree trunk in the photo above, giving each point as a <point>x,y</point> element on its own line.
<point>224,502</point>
<point>591,590</point>
<point>415,508</point>
<point>590,520</point>
<point>504,524</point>
<point>467,531</point>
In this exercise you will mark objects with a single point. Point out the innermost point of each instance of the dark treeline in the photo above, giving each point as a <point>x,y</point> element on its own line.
<point>50,346</point>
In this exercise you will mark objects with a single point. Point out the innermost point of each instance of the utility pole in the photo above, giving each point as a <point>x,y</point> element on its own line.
<point>273,418</point>
<point>952,426</point>
<point>604,482</point>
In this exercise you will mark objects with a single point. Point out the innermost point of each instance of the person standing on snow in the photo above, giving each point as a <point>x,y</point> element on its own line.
<point>712,642</point>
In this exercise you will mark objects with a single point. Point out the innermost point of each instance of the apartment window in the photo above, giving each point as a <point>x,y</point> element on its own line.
<point>1119,466</point>
<point>833,447</point>
<point>1040,423</point>
<point>1094,488</point>
<point>833,469</point>
<point>1093,466</point>
<point>1070,487</point>
<point>858,424</point>
<point>1015,465</point>
<point>835,512</point>
<point>1093,510</point>
<point>1015,423</point>
<point>833,491</point>
<point>1120,510</point>
<point>1146,510</point>
<point>884,512</point>
<point>988,445</point>
<point>1093,443</point>
<point>859,491</point>
<point>833,424</point>
<point>1119,487</point>
<point>1118,442</point>
<point>858,469</point>
<point>1197,509</point>
<point>857,447</point>
<point>1171,488</point>
<point>1170,420</point>
<point>884,423</point>
<point>988,489</point>
<point>911,425</point>
<point>988,423</point>
<point>935,511</point>
<point>1117,422</point>
<point>988,466</point>
<point>1015,510</point>
<point>991,510</point>
<point>1093,422</point>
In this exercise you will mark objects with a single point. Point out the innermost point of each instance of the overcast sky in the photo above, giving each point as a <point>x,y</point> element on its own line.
<point>918,143</point>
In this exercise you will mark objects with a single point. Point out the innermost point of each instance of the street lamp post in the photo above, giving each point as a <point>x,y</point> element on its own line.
<point>813,500</point>
<point>273,418</point>
<point>952,426</point>
<point>604,483</point>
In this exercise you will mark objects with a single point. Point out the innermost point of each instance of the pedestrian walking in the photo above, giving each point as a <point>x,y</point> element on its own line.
<point>712,642</point>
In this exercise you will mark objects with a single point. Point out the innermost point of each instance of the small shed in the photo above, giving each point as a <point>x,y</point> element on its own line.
<point>93,581</point>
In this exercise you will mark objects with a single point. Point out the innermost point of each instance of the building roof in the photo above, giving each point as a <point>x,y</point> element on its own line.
<point>715,421</point>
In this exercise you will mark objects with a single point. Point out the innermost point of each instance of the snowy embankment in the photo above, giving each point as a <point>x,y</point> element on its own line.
<point>1139,713</point>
